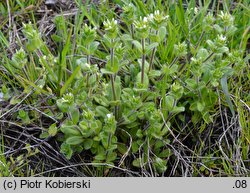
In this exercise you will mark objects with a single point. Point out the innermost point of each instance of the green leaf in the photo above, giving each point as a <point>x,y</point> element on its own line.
<point>162,32</point>
<point>92,79</point>
<point>87,144</point>
<point>118,87</point>
<point>70,130</point>
<point>86,131</point>
<point>210,44</point>
<point>64,107</point>
<point>145,82</point>
<point>126,37</point>
<point>170,102</point>
<point>115,67</point>
<point>224,87</point>
<point>137,163</point>
<point>100,156</point>
<point>165,153</point>
<point>101,100</point>
<point>207,117</point>
<point>105,139</point>
<point>178,110</point>
<point>66,150</point>
<point>137,45</point>
<point>200,106</point>
<point>181,15</point>
<point>218,28</point>
<point>111,157</point>
<point>160,165</point>
<point>223,49</point>
<point>191,83</point>
<point>146,65</point>
<point>85,50</point>
<point>93,47</point>
<point>106,71</point>
<point>69,81</point>
<point>56,38</point>
<point>62,63</point>
<point>15,100</point>
<point>74,114</point>
<point>151,47</point>
<point>122,148</point>
<point>154,73</point>
<point>202,53</point>
<point>52,130</point>
<point>44,135</point>
<point>75,140</point>
<point>102,111</point>
<point>24,116</point>
<point>3,40</point>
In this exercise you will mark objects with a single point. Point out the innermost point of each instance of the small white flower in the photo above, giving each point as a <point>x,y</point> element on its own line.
<point>196,10</point>
<point>150,17</point>
<point>55,60</point>
<point>227,18</point>
<point>109,115</point>
<point>222,38</point>
<point>157,12</point>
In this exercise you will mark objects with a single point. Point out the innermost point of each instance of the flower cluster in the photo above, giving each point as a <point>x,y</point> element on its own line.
<point>33,36</point>
<point>226,18</point>
<point>68,98</point>
<point>142,26</point>
<point>209,19</point>
<point>158,19</point>
<point>219,44</point>
<point>181,49</point>
<point>66,102</point>
<point>89,34</point>
<point>111,28</point>
<point>221,40</point>
<point>129,12</point>
<point>19,59</point>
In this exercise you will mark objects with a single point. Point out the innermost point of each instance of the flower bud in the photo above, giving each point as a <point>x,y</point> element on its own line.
<point>142,26</point>
<point>157,19</point>
<point>226,18</point>
<point>19,59</point>
<point>181,49</point>
<point>129,12</point>
<point>89,34</point>
<point>111,28</point>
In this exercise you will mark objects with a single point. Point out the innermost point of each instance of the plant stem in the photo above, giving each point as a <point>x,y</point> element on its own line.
<point>173,62</point>
<point>163,95</point>
<point>112,78</point>
<point>88,61</point>
<point>152,59</point>
<point>143,60</point>
<point>152,56</point>
<point>208,57</point>
<point>132,33</point>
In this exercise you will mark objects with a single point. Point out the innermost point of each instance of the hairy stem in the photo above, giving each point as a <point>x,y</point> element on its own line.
<point>112,78</point>
<point>152,59</point>
<point>143,60</point>
<point>152,56</point>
